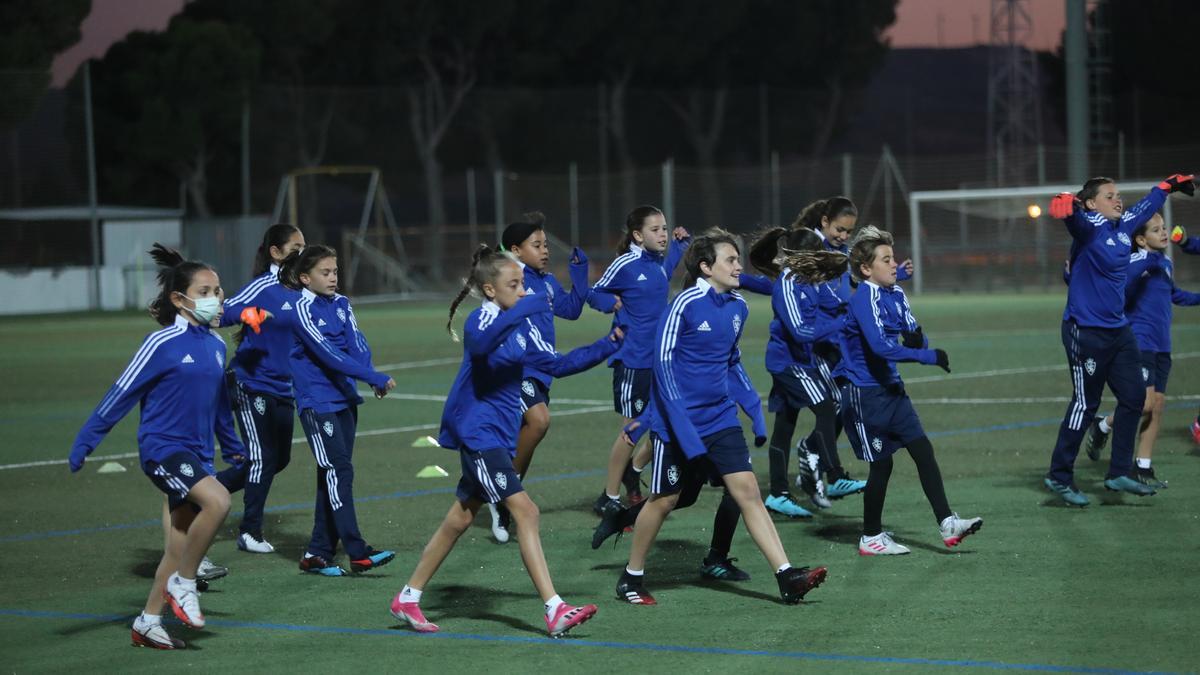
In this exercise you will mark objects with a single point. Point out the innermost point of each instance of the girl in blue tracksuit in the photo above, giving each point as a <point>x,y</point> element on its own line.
<point>328,353</point>
<point>527,242</point>
<point>262,393</point>
<point>696,434</point>
<point>177,375</point>
<point>1190,245</point>
<point>1150,291</point>
<point>1100,346</point>
<point>636,286</point>
<point>800,377</point>
<point>878,416</point>
<point>481,422</point>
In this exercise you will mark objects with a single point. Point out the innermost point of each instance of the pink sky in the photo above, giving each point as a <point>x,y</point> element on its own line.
<point>962,23</point>
<point>968,22</point>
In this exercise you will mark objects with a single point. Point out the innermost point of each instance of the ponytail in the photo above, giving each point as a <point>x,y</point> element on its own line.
<point>174,276</point>
<point>828,209</point>
<point>772,243</point>
<point>633,223</point>
<point>276,235</point>
<point>815,267</point>
<point>302,262</point>
<point>485,266</point>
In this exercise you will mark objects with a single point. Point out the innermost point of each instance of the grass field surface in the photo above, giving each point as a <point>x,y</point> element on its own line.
<point>1042,587</point>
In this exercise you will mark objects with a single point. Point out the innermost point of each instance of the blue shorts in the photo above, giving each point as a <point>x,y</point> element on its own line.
<point>878,420</point>
<point>727,453</point>
<point>177,475</point>
<point>488,476</point>
<point>533,392</point>
<point>1156,368</point>
<point>631,389</point>
<point>796,388</point>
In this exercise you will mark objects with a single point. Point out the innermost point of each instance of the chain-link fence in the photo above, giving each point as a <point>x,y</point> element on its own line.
<point>570,153</point>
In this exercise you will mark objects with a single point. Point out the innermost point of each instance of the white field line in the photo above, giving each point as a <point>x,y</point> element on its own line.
<point>52,462</point>
<point>1015,371</point>
<point>393,396</point>
<point>1043,399</point>
<point>406,365</point>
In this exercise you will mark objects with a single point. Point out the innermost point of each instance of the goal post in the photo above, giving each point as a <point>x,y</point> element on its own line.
<point>1004,218</point>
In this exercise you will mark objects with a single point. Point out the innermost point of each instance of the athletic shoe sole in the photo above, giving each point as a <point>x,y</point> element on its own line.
<point>179,613</point>
<point>955,541</point>
<point>140,640</point>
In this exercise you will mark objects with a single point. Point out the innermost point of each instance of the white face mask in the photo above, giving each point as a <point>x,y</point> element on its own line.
<point>206,309</point>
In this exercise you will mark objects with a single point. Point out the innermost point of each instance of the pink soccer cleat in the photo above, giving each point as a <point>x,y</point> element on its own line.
<point>410,612</point>
<point>567,617</point>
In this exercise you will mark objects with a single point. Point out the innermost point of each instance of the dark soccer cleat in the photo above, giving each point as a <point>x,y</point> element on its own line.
<point>631,590</point>
<point>372,560</point>
<point>796,582</point>
<point>598,505</point>
<point>315,564</point>
<point>723,570</point>
<point>1096,440</point>
<point>1146,477</point>
<point>610,523</point>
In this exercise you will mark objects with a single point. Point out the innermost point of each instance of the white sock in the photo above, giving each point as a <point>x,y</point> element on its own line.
<point>182,581</point>
<point>1143,462</point>
<point>636,468</point>
<point>552,606</point>
<point>783,568</point>
<point>149,619</point>
<point>634,573</point>
<point>615,498</point>
<point>410,594</point>
<point>1104,428</point>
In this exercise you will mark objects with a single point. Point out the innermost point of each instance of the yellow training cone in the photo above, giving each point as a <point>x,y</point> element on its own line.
<point>426,442</point>
<point>111,467</point>
<point>432,471</point>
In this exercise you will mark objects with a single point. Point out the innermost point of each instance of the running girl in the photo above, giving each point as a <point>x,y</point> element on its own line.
<point>178,376</point>
<point>481,421</point>
<point>696,434</point>
<point>527,242</point>
<point>262,392</point>
<point>328,353</point>
<point>878,416</point>
<point>640,278</point>
<point>1100,346</point>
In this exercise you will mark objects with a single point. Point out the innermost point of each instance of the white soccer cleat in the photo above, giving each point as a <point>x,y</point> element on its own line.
<point>247,542</point>
<point>153,635</point>
<point>209,570</point>
<point>184,601</point>
<point>498,529</point>
<point>880,544</point>
<point>955,529</point>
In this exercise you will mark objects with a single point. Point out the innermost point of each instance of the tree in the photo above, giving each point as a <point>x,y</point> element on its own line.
<point>32,32</point>
<point>171,103</point>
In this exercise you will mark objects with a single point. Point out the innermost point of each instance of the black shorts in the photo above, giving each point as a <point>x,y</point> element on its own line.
<point>488,476</point>
<point>177,475</point>
<point>878,420</point>
<point>796,388</point>
<point>727,453</point>
<point>533,392</point>
<point>631,389</point>
<point>1156,368</point>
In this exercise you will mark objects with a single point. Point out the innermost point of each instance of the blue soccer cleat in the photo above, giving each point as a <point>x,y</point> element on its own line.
<point>844,487</point>
<point>723,570</point>
<point>1130,485</point>
<point>374,559</point>
<point>785,504</point>
<point>1068,493</point>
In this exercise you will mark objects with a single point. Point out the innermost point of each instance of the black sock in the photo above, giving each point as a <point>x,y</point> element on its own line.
<point>931,477</point>
<point>781,447</point>
<point>874,495</point>
<point>823,438</point>
<point>724,525</point>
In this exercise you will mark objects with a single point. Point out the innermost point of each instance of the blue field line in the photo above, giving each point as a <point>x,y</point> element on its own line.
<point>595,644</point>
<point>406,494</point>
